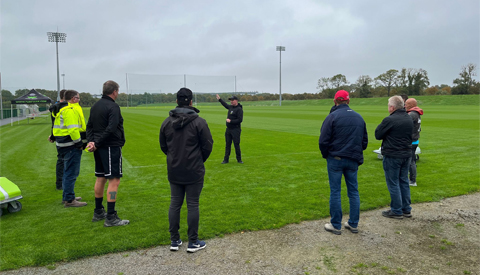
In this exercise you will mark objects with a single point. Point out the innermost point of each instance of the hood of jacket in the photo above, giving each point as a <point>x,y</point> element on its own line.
<point>182,116</point>
<point>55,108</point>
<point>416,109</point>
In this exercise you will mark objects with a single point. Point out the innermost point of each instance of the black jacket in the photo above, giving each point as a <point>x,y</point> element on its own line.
<point>186,140</point>
<point>415,114</point>
<point>396,133</point>
<point>105,124</point>
<point>235,114</point>
<point>343,134</point>
<point>54,109</point>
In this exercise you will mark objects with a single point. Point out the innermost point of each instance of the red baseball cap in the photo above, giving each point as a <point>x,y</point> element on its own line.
<point>342,95</point>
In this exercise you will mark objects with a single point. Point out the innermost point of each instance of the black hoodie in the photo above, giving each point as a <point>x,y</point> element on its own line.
<point>186,140</point>
<point>54,109</point>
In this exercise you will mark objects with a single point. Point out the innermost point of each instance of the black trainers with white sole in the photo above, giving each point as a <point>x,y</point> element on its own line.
<point>194,247</point>
<point>175,245</point>
<point>390,214</point>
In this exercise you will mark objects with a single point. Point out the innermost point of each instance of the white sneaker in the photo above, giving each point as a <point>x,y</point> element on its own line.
<point>329,227</point>
<point>352,229</point>
<point>413,183</point>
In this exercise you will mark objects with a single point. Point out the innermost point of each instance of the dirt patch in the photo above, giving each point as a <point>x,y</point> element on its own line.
<point>441,238</point>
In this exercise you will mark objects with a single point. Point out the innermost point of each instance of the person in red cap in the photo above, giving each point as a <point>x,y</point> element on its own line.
<point>233,131</point>
<point>343,138</point>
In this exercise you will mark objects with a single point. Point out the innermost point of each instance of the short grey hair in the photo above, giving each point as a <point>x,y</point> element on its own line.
<point>396,102</point>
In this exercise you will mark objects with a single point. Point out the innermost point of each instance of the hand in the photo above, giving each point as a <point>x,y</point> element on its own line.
<point>49,139</point>
<point>91,146</point>
<point>218,97</point>
<point>228,120</point>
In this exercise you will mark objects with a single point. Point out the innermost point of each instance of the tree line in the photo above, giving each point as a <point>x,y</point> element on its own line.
<point>393,82</point>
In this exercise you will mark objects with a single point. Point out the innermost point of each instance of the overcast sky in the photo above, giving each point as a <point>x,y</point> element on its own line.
<point>107,39</point>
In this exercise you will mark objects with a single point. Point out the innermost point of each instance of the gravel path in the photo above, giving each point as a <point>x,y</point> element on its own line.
<point>441,238</point>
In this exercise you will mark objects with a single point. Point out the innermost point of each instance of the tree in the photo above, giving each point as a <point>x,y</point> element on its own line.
<point>7,95</point>
<point>330,85</point>
<point>388,80</point>
<point>338,81</point>
<point>466,83</point>
<point>364,86</point>
<point>21,92</point>
<point>420,81</point>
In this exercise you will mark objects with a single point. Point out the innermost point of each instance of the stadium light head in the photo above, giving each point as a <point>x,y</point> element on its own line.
<point>280,48</point>
<point>57,37</point>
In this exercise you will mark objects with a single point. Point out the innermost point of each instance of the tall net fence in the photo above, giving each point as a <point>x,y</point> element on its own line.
<point>153,89</point>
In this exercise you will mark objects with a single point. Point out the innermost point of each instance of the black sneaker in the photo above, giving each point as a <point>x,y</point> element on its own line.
<point>407,214</point>
<point>240,161</point>
<point>175,245</point>
<point>225,162</point>
<point>390,214</point>
<point>99,214</point>
<point>114,220</point>
<point>194,247</point>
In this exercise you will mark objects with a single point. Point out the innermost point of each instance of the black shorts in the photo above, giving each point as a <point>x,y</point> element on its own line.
<point>108,162</point>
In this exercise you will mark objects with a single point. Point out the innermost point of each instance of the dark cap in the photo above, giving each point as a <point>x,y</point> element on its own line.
<point>184,96</point>
<point>233,98</point>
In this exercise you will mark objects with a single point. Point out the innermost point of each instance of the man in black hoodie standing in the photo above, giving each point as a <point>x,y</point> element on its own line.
<point>186,140</point>
<point>234,119</point>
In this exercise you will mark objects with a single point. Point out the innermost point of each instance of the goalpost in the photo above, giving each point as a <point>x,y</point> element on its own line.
<point>170,84</point>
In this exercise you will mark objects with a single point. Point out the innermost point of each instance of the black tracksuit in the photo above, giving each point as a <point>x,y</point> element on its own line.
<point>105,124</point>
<point>234,130</point>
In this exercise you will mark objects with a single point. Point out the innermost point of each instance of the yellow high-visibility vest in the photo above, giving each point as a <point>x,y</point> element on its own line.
<point>69,122</point>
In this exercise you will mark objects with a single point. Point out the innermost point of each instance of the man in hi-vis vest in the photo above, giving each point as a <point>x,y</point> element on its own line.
<point>66,128</point>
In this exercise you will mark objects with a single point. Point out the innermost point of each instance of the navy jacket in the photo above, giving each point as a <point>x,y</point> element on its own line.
<point>343,134</point>
<point>395,131</point>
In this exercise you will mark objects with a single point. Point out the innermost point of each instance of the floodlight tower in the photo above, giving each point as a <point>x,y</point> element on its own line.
<point>57,37</point>
<point>280,49</point>
<point>63,77</point>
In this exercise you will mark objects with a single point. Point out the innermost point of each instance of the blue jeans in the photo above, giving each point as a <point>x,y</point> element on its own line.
<point>177,195</point>
<point>396,175</point>
<point>71,157</point>
<point>348,168</point>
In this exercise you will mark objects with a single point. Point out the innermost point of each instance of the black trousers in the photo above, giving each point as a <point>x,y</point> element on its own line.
<point>232,134</point>
<point>59,171</point>
<point>178,192</point>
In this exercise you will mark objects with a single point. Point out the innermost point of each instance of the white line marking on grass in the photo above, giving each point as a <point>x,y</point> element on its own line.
<point>127,163</point>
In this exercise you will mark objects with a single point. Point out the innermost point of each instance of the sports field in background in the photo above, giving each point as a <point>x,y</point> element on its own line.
<point>284,179</point>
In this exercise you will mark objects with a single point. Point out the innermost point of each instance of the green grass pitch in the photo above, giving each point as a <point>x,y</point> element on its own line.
<point>284,179</point>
